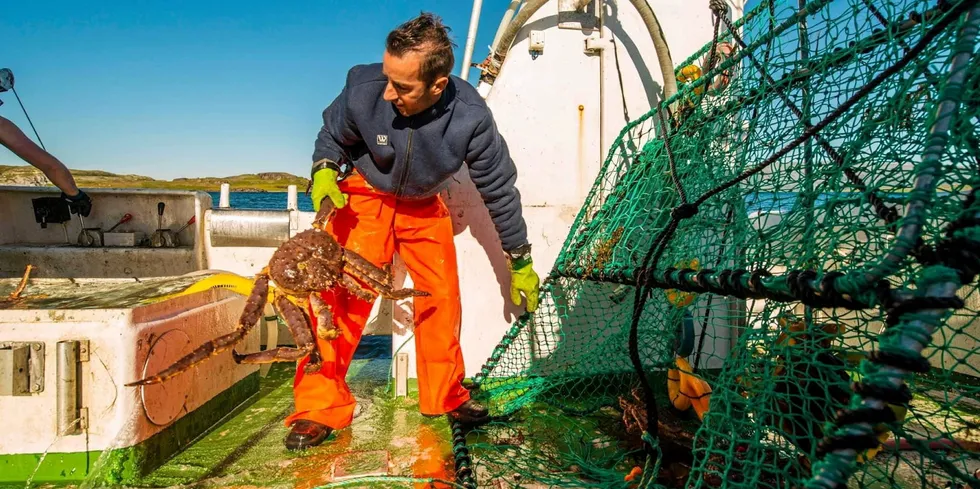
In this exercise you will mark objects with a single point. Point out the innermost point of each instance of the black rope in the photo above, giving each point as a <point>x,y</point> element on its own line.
<point>684,211</point>
<point>958,254</point>
<point>622,86</point>
<point>886,213</point>
<point>670,160</point>
<point>817,65</point>
<point>902,395</point>
<point>711,54</point>
<point>731,282</point>
<point>495,355</point>
<point>798,281</point>
<point>640,297</point>
<point>29,121</point>
<point>725,275</point>
<point>914,362</point>
<point>924,41</point>
<point>969,133</point>
<point>465,475</point>
<point>954,252</point>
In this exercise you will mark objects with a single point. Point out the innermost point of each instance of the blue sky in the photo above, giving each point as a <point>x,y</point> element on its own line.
<point>183,88</point>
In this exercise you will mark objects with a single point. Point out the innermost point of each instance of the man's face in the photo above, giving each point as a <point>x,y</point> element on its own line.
<point>406,89</point>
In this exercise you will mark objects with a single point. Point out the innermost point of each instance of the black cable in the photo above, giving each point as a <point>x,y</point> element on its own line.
<point>12,89</point>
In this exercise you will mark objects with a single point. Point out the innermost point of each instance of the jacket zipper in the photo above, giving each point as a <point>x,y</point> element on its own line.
<point>408,164</point>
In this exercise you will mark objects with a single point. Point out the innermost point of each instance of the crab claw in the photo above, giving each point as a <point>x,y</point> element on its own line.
<point>326,212</point>
<point>325,327</point>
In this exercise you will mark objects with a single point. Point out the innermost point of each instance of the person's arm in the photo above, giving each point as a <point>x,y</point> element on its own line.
<point>16,141</point>
<point>328,150</point>
<point>494,174</point>
<point>337,131</point>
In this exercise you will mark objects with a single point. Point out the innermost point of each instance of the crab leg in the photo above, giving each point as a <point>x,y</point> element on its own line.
<point>360,291</point>
<point>250,315</point>
<point>325,328</point>
<point>354,261</point>
<point>383,289</point>
<point>300,328</point>
<point>372,287</point>
<point>327,211</point>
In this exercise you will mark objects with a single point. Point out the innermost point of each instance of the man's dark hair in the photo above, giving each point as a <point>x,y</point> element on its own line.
<point>425,34</point>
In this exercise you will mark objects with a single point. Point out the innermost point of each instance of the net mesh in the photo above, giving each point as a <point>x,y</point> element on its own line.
<point>772,254</point>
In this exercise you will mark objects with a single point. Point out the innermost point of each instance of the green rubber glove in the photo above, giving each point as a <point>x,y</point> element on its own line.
<point>325,185</point>
<point>524,280</point>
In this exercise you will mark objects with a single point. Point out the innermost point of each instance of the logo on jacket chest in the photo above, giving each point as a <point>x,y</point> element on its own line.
<point>382,140</point>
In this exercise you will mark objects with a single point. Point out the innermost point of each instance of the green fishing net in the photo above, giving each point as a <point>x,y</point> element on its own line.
<point>796,225</point>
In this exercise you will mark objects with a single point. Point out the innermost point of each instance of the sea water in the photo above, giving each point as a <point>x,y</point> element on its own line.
<point>754,201</point>
<point>262,200</point>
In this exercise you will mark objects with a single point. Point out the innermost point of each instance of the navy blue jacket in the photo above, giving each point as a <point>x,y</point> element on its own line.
<point>415,157</point>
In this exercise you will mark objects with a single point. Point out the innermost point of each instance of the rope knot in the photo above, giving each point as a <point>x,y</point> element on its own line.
<point>719,7</point>
<point>684,211</point>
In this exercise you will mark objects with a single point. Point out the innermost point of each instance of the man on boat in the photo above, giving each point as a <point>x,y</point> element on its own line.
<point>390,142</point>
<point>12,138</point>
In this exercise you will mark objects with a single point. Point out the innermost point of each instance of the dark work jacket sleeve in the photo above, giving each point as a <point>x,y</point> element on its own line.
<point>337,132</point>
<point>494,173</point>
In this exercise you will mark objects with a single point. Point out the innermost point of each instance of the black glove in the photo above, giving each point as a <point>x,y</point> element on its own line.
<point>79,204</point>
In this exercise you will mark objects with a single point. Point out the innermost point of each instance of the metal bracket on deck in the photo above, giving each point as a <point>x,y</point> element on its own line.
<point>21,368</point>
<point>595,44</point>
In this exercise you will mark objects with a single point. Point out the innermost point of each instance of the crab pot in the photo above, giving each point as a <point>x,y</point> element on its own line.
<point>67,347</point>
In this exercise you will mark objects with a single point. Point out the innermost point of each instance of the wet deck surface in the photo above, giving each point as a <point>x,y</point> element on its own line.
<point>389,443</point>
<point>388,438</point>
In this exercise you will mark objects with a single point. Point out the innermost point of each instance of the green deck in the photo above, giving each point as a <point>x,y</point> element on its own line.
<point>246,448</point>
<point>389,444</point>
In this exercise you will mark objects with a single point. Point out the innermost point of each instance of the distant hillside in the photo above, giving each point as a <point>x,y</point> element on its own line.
<point>252,182</point>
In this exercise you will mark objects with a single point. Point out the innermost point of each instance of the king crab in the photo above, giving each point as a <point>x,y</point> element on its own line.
<point>307,263</point>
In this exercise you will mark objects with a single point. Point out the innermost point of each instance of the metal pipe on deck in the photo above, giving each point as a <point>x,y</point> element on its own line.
<point>504,22</point>
<point>223,199</point>
<point>470,39</point>
<point>601,10</point>
<point>67,388</point>
<point>244,227</point>
<point>292,199</point>
<point>646,13</point>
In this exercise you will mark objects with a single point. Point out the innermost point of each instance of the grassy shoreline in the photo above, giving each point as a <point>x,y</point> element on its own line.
<point>251,182</point>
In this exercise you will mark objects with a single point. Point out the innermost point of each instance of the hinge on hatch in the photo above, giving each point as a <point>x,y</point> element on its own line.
<point>21,368</point>
<point>72,417</point>
<point>83,353</point>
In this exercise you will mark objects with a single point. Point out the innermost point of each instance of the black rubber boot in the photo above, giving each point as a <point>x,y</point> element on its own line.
<point>306,434</point>
<point>470,413</point>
